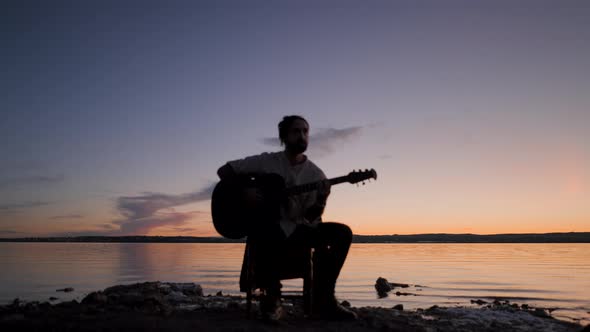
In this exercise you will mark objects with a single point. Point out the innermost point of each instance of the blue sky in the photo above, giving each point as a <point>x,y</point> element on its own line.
<point>475,115</point>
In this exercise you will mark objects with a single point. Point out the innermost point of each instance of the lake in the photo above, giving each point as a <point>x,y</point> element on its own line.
<point>541,275</point>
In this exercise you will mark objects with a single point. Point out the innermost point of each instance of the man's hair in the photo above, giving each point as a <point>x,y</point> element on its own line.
<point>286,124</point>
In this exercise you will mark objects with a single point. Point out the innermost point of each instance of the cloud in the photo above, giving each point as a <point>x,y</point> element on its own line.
<point>67,216</point>
<point>21,165</point>
<point>144,225</point>
<point>152,210</point>
<point>9,232</point>
<point>185,229</point>
<point>145,212</point>
<point>31,179</point>
<point>146,205</point>
<point>324,140</point>
<point>17,207</point>
<point>106,226</point>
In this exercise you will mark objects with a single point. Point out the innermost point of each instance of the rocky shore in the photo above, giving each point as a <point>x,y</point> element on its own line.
<point>162,306</point>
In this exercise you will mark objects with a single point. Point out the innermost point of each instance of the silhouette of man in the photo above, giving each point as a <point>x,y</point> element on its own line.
<point>300,222</point>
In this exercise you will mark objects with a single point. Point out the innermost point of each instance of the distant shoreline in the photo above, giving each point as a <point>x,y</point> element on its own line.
<point>572,237</point>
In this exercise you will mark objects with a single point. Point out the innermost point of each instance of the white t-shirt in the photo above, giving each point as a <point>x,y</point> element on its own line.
<point>305,172</point>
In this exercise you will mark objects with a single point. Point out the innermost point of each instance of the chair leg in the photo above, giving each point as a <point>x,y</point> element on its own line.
<point>308,288</point>
<point>249,303</point>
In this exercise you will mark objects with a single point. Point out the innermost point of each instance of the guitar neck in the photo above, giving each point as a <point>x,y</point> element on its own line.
<point>296,190</point>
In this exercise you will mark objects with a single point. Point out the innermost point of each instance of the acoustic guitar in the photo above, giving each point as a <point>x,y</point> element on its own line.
<point>234,217</point>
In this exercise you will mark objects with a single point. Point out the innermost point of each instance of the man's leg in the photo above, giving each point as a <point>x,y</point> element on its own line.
<point>331,242</point>
<point>269,245</point>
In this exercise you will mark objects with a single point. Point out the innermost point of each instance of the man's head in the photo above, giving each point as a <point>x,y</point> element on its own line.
<point>293,133</point>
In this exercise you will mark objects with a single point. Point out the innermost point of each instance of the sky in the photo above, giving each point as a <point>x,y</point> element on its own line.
<point>115,116</point>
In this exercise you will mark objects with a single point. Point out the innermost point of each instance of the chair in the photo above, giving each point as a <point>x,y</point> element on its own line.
<point>297,263</point>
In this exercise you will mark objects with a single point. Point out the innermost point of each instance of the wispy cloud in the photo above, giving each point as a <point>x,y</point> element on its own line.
<point>67,216</point>
<point>31,180</point>
<point>145,212</point>
<point>106,226</point>
<point>324,140</point>
<point>18,207</point>
<point>185,229</point>
<point>144,225</point>
<point>9,232</point>
<point>147,204</point>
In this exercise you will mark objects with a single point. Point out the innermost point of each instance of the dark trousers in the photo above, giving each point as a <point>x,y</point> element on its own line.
<point>330,240</point>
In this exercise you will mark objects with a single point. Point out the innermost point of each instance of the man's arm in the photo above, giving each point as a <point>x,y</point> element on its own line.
<point>317,209</point>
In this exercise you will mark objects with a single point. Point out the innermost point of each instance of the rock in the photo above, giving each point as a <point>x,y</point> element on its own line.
<point>403,294</point>
<point>525,306</point>
<point>540,313</point>
<point>95,298</point>
<point>394,285</point>
<point>16,302</point>
<point>382,286</point>
<point>478,302</point>
<point>165,288</point>
<point>188,288</point>
<point>219,294</point>
<point>53,298</point>
<point>177,297</point>
<point>345,304</point>
<point>399,307</point>
<point>190,307</point>
<point>131,299</point>
<point>13,317</point>
<point>67,289</point>
<point>68,304</point>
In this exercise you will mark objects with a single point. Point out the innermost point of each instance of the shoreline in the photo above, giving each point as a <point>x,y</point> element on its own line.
<point>569,237</point>
<point>163,306</point>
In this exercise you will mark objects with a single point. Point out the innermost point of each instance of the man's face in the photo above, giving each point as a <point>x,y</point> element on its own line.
<point>297,137</point>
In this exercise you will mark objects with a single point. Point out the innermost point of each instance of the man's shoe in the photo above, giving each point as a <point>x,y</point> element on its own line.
<point>270,308</point>
<point>332,310</point>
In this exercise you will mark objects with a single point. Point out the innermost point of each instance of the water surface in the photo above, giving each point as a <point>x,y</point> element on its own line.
<point>545,275</point>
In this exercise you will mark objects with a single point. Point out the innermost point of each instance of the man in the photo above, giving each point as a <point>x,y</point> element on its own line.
<point>300,222</point>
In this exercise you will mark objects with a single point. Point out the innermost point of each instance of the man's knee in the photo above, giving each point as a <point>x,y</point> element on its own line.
<point>339,231</point>
<point>346,233</point>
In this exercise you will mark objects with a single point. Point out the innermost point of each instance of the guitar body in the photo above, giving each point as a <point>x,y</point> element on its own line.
<point>234,217</point>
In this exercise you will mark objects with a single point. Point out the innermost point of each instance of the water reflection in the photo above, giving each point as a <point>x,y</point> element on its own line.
<point>547,275</point>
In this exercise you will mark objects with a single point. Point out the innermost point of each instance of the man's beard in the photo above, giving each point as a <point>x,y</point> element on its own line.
<point>297,147</point>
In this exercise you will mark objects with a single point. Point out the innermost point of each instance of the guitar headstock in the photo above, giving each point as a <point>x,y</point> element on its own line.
<point>358,176</point>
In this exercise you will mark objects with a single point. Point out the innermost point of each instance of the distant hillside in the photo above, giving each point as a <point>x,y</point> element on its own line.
<point>579,237</point>
<point>574,237</point>
<point>129,239</point>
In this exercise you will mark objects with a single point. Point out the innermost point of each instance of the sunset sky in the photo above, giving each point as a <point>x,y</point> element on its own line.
<point>115,115</point>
